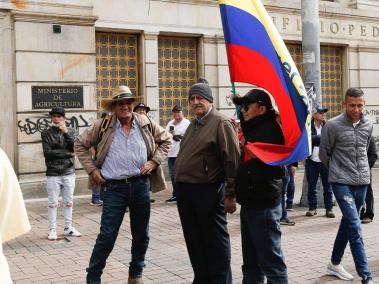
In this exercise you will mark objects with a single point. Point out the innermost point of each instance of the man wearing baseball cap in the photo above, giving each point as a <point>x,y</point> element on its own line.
<point>58,149</point>
<point>205,169</point>
<point>314,168</point>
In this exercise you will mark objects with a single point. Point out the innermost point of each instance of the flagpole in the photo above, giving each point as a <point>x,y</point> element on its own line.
<point>234,95</point>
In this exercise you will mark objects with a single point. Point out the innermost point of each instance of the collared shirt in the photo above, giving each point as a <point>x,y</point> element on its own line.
<point>201,119</point>
<point>316,149</point>
<point>126,155</point>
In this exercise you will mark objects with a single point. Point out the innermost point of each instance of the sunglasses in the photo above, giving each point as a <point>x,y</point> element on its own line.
<point>123,102</point>
<point>245,107</point>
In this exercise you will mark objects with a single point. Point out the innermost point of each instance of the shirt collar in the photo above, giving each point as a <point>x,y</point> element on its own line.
<point>203,120</point>
<point>118,123</point>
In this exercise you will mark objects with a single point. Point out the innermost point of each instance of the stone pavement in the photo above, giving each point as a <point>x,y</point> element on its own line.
<point>307,246</point>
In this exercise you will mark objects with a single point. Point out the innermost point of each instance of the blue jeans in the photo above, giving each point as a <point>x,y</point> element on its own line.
<point>261,246</point>
<point>288,189</point>
<point>117,197</point>
<point>171,164</point>
<point>313,170</point>
<point>350,199</point>
<point>203,218</point>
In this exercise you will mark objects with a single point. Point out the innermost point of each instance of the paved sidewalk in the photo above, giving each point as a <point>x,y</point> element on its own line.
<point>307,246</point>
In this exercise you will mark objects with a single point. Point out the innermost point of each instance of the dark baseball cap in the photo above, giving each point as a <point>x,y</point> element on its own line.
<point>320,109</point>
<point>176,108</point>
<point>57,110</point>
<point>254,96</point>
<point>142,105</point>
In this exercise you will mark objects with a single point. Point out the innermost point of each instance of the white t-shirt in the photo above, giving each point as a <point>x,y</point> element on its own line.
<point>179,129</point>
<point>316,149</point>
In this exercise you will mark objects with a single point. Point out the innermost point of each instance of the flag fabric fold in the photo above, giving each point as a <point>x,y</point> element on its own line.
<point>257,55</point>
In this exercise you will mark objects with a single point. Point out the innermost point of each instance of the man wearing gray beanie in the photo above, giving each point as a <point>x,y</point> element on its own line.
<point>205,169</point>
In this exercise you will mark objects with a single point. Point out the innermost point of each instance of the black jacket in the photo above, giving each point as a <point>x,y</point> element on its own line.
<point>372,155</point>
<point>316,139</point>
<point>58,149</point>
<point>259,185</point>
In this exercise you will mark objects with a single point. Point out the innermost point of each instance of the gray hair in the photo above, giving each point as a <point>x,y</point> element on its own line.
<point>354,92</point>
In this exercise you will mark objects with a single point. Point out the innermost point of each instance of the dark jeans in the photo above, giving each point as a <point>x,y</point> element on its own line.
<point>171,172</point>
<point>261,246</point>
<point>201,211</point>
<point>288,189</point>
<point>313,170</point>
<point>350,199</point>
<point>116,198</point>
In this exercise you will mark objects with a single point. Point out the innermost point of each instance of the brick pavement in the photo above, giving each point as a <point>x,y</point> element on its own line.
<point>307,246</point>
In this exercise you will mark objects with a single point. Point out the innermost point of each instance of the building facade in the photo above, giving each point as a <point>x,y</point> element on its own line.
<point>56,53</point>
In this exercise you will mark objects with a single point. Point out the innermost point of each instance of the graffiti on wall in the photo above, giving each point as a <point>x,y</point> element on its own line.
<point>38,124</point>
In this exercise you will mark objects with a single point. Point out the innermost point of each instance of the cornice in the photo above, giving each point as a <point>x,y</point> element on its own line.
<point>191,2</point>
<point>364,49</point>
<point>54,18</point>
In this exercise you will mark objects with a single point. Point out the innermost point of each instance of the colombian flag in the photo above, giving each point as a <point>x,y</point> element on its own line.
<point>257,55</point>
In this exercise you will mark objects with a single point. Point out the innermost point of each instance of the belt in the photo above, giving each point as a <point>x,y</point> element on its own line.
<point>126,180</point>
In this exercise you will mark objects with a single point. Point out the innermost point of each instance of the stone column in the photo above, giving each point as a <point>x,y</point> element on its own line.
<point>150,76</point>
<point>8,123</point>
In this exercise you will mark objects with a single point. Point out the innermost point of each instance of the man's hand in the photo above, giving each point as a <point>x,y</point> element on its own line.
<point>230,204</point>
<point>292,170</point>
<point>62,127</point>
<point>148,167</point>
<point>97,177</point>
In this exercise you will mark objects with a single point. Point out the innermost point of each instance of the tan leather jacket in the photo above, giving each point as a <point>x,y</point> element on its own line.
<point>157,139</point>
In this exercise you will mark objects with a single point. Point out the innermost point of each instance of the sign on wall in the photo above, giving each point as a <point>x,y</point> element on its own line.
<point>46,97</point>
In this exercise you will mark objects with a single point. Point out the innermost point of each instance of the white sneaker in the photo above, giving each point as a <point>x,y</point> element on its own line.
<point>72,232</point>
<point>339,271</point>
<point>52,235</point>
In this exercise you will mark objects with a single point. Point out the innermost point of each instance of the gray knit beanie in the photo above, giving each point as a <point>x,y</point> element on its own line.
<point>203,90</point>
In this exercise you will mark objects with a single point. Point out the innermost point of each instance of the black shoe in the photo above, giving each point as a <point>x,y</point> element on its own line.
<point>366,220</point>
<point>152,200</point>
<point>329,213</point>
<point>96,202</point>
<point>311,212</point>
<point>289,208</point>
<point>171,200</point>
<point>287,222</point>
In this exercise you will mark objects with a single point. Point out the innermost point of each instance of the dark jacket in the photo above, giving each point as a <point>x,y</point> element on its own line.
<point>259,185</point>
<point>372,155</point>
<point>58,149</point>
<point>209,152</point>
<point>316,139</point>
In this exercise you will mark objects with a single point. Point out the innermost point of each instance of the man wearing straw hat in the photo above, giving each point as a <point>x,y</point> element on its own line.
<point>128,157</point>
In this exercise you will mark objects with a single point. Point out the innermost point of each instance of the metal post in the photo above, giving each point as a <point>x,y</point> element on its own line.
<point>311,70</point>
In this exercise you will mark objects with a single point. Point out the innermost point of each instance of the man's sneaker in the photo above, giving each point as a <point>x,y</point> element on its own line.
<point>368,281</point>
<point>171,200</point>
<point>137,280</point>
<point>289,208</point>
<point>311,212</point>
<point>96,202</point>
<point>339,271</point>
<point>52,235</point>
<point>71,232</point>
<point>329,213</point>
<point>287,222</point>
<point>366,220</point>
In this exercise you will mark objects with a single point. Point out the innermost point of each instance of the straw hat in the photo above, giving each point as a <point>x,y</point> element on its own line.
<point>121,93</point>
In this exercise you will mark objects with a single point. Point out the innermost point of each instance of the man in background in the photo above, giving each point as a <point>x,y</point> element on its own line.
<point>58,150</point>
<point>177,127</point>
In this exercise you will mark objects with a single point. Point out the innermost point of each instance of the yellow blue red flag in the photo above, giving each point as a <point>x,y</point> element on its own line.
<point>258,55</point>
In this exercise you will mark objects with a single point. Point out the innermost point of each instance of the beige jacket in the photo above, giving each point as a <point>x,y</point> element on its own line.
<point>157,139</point>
